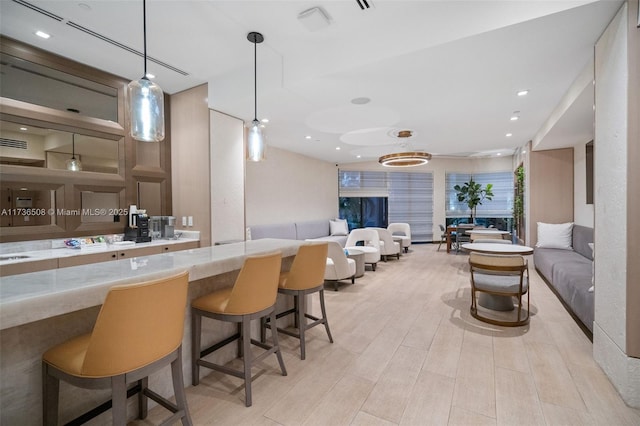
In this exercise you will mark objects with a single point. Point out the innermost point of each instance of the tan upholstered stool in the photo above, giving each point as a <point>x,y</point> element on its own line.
<point>253,296</point>
<point>138,331</point>
<point>305,277</point>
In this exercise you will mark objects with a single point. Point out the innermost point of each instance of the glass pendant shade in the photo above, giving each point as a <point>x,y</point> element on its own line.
<point>255,142</point>
<point>146,110</point>
<point>74,165</point>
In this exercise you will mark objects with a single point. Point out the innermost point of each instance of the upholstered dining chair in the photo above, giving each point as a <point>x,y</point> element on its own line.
<point>138,331</point>
<point>370,244</point>
<point>402,230</point>
<point>305,277</point>
<point>501,277</point>
<point>253,296</point>
<point>338,265</point>
<point>388,247</point>
<point>443,236</point>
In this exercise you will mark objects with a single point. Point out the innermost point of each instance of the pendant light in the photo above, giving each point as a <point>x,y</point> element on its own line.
<point>146,101</point>
<point>72,163</point>
<point>406,158</point>
<point>255,138</point>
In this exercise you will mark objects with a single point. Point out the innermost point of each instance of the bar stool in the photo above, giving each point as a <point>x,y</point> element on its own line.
<point>305,277</point>
<point>138,331</point>
<point>252,296</point>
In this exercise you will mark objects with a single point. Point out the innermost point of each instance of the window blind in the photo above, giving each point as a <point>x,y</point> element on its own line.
<point>500,206</point>
<point>410,196</point>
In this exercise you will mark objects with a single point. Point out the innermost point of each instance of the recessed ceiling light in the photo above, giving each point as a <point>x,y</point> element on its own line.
<point>265,120</point>
<point>150,76</point>
<point>360,101</point>
<point>84,6</point>
<point>42,34</point>
<point>524,151</point>
<point>337,148</point>
<point>358,156</point>
<point>24,129</point>
<point>307,137</point>
<point>522,92</point>
<point>498,154</point>
<point>509,135</point>
<point>514,118</point>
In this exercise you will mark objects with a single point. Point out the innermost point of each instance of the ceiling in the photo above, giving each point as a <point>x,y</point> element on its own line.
<point>448,71</point>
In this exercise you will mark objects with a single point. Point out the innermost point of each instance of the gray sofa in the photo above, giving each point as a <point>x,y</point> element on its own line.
<point>569,274</point>
<point>306,230</point>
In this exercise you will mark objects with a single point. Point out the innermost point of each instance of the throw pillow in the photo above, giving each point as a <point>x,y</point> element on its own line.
<point>593,271</point>
<point>338,227</point>
<point>555,235</point>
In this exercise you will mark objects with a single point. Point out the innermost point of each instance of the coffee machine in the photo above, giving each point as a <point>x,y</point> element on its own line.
<point>137,228</point>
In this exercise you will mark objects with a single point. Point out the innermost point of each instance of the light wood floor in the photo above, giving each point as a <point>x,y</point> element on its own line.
<point>407,352</point>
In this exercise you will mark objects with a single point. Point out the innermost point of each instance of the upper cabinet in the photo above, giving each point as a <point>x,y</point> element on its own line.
<point>51,110</point>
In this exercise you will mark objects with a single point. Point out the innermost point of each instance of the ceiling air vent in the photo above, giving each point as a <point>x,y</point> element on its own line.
<point>39,10</point>
<point>124,47</point>
<point>13,143</point>
<point>364,4</point>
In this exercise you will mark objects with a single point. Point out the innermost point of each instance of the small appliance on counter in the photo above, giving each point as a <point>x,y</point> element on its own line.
<point>163,226</point>
<point>137,228</point>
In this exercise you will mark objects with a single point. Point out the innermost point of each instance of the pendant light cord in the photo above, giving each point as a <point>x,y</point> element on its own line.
<point>144,30</point>
<point>73,146</point>
<point>255,80</point>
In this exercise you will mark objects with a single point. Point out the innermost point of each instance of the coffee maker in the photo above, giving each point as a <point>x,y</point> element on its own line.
<point>137,228</point>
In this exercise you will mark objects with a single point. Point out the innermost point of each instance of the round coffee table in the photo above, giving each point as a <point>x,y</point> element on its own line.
<point>358,256</point>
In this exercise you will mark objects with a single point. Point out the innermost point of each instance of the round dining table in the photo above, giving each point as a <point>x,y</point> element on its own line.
<point>492,248</point>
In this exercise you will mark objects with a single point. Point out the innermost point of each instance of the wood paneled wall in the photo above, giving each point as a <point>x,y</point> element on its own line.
<point>550,188</point>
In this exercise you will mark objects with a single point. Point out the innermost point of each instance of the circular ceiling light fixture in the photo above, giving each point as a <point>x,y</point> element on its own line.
<point>360,101</point>
<point>405,159</point>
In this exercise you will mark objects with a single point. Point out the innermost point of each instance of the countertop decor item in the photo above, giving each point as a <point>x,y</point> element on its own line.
<point>255,139</point>
<point>146,101</point>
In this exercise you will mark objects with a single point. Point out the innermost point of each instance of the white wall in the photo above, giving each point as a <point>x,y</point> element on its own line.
<point>582,212</point>
<point>439,167</point>
<point>289,187</point>
<point>227,177</point>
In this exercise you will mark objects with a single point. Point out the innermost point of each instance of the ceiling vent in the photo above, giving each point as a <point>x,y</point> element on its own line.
<point>13,143</point>
<point>364,4</point>
<point>99,36</point>
<point>39,10</point>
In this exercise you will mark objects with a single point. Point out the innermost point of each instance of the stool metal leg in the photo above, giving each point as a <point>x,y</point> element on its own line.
<point>196,328</point>
<point>302,322</point>
<point>178,388</point>
<point>276,343</point>
<point>324,316</point>
<point>119,400</point>
<point>50,392</point>
<point>246,343</point>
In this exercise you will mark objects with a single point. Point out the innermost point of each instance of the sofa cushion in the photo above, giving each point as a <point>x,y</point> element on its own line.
<point>312,229</point>
<point>340,239</point>
<point>282,230</point>
<point>555,235</point>
<point>338,227</point>
<point>582,236</point>
<point>572,280</point>
<point>545,258</point>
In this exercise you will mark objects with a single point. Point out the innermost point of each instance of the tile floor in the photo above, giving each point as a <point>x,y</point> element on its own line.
<point>407,352</point>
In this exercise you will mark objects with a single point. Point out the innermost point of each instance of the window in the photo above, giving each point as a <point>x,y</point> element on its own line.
<point>408,198</point>
<point>500,207</point>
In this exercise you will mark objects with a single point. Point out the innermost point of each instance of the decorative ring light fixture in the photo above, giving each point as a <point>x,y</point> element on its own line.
<point>146,101</point>
<point>405,159</point>
<point>73,164</point>
<point>255,138</point>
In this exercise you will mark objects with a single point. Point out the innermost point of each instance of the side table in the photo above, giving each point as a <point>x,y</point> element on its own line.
<point>358,256</point>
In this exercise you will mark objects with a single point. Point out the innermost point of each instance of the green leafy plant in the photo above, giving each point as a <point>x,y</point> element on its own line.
<point>473,194</point>
<point>518,200</point>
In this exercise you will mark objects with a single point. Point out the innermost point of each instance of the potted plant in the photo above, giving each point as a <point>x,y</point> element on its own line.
<point>473,194</point>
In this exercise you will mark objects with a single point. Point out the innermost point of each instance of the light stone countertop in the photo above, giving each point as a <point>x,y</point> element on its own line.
<point>34,254</point>
<point>34,296</point>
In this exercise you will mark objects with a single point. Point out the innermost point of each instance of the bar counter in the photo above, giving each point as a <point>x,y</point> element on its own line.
<point>41,309</point>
